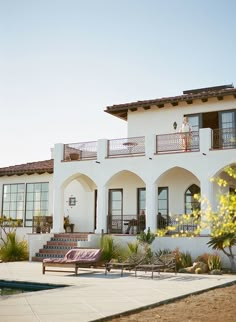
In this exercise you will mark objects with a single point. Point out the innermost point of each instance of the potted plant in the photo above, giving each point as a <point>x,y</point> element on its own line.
<point>74,156</point>
<point>38,225</point>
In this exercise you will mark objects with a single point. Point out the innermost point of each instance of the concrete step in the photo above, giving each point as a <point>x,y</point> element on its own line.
<point>62,246</point>
<point>59,245</point>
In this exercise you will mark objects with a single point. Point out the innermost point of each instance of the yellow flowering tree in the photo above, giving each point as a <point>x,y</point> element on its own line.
<point>222,222</point>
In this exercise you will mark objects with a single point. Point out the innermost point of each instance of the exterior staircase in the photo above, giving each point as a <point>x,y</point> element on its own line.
<point>59,245</point>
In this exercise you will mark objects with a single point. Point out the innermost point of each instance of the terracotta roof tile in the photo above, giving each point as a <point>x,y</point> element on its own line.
<point>121,110</point>
<point>38,167</point>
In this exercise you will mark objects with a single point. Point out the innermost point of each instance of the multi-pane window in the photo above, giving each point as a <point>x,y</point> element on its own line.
<point>116,202</point>
<point>163,206</point>
<point>228,119</point>
<point>191,203</point>
<point>141,200</point>
<point>13,200</point>
<point>36,201</point>
<point>22,201</point>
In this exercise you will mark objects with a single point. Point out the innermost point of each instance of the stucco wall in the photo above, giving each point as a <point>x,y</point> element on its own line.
<point>195,246</point>
<point>160,120</point>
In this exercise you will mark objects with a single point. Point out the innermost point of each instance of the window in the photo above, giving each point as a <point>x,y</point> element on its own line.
<point>163,207</point>
<point>141,200</point>
<point>13,200</point>
<point>22,201</point>
<point>191,203</point>
<point>228,119</point>
<point>36,201</point>
<point>115,219</point>
<point>194,121</point>
<point>115,202</point>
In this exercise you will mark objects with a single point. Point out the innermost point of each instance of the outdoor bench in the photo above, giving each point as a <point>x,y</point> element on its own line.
<point>129,264</point>
<point>74,258</point>
<point>158,264</point>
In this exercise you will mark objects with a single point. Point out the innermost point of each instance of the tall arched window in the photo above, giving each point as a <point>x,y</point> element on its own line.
<point>190,202</point>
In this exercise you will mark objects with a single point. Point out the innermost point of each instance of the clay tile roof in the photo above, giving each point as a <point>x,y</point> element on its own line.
<point>38,167</point>
<point>121,110</point>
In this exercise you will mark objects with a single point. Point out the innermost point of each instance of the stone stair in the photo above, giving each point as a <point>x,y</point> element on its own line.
<point>59,245</point>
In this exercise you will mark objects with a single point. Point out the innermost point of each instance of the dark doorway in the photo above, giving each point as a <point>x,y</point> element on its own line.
<point>210,120</point>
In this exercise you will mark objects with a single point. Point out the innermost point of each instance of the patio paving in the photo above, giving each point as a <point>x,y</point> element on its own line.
<point>93,296</point>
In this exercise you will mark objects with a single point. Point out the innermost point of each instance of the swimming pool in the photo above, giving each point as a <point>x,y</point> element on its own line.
<point>16,287</point>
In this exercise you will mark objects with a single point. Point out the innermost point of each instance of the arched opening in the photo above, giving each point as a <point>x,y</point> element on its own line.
<point>190,202</point>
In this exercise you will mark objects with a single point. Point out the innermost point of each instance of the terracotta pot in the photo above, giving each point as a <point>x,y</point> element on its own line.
<point>74,156</point>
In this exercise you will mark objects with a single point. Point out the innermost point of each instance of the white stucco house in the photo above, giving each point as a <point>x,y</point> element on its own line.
<point>120,186</point>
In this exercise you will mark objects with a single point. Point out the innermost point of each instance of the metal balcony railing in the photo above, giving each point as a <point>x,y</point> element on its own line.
<point>125,224</point>
<point>181,225</point>
<point>80,151</point>
<point>224,138</point>
<point>126,147</point>
<point>135,224</point>
<point>177,142</point>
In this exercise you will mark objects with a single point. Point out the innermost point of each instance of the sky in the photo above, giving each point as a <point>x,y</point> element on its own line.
<point>62,62</point>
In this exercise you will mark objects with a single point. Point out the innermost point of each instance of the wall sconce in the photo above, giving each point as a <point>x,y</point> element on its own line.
<point>175,125</point>
<point>72,201</point>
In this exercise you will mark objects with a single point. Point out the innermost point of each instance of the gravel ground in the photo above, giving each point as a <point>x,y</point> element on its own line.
<point>213,306</point>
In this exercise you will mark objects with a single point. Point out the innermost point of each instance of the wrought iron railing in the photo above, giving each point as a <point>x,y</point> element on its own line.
<point>125,224</point>
<point>80,151</point>
<point>183,226</point>
<point>224,138</point>
<point>135,224</point>
<point>126,146</point>
<point>177,142</point>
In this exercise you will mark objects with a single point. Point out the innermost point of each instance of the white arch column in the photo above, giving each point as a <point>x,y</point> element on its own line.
<point>58,191</point>
<point>151,206</point>
<point>58,211</point>
<point>102,208</point>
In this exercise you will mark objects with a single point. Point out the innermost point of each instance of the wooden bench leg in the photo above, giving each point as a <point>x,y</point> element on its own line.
<point>76,269</point>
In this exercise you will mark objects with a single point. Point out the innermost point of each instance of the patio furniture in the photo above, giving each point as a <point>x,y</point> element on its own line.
<point>129,264</point>
<point>158,263</point>
<point>75,258</point>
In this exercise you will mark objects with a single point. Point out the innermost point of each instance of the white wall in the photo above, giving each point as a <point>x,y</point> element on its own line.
<point>81,215</point>
<point>195,246</point>
<point>160,120</point>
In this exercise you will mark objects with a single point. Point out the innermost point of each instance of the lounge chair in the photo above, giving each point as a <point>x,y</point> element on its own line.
<point>158,263</point>
<point>75,258</point>
<point>129,264</point>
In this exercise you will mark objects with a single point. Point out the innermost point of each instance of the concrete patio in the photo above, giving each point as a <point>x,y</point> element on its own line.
<point>92,296</point>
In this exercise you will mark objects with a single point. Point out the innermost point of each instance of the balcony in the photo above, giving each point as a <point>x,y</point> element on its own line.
<point>224,138</point>
<point>177,142</point>
<point>80,151</point>
<point>157,144</point>
<point>126,147</point>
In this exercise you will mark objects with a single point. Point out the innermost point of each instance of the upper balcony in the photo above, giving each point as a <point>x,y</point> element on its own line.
<point>219,139</point>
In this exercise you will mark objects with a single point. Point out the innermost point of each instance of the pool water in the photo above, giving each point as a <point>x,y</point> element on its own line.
<point>15,287</point>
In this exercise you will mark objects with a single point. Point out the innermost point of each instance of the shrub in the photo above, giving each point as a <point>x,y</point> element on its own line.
<point>163,252</point>
<point>214,262</point>
<point>185,260</point>
<point>146,238</point>
<point>202,258</point>
<point>133,247</point>
<point>111,249</point>
<point>14,250</point>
